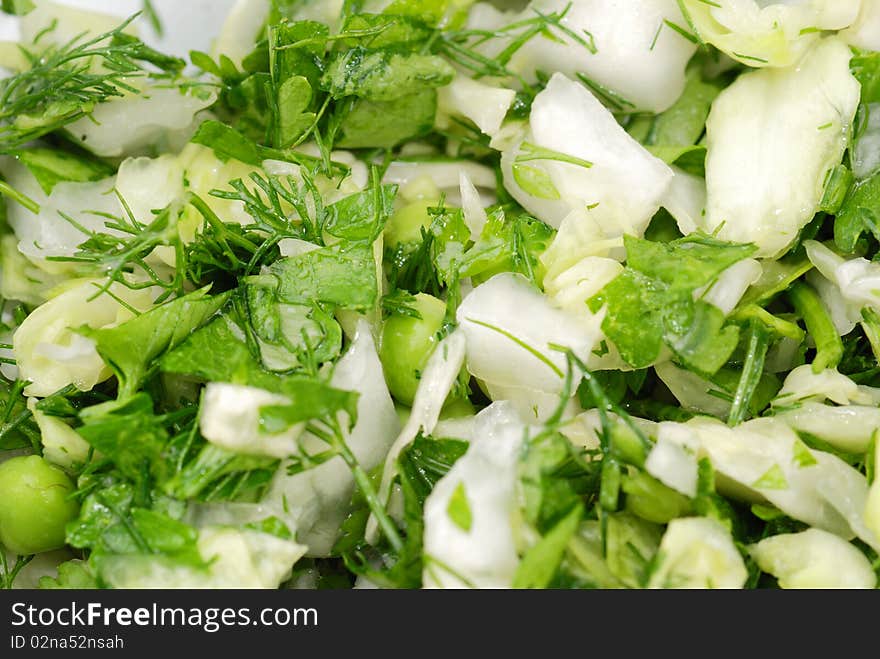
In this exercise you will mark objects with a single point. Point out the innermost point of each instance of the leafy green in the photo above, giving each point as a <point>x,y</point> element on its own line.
<point>541,561</point>
<point>857,215</point>
<point>385,124</point>
<point>652,304</point>
<point>72,575</point>
<point>51,166</point>
<point>218,352</point>
<point>130,348</point>
<point>508,244</point>
<point>309,399</point>
<point>361,216</point>
<point>212,473</point>
<point>110,523</point>
<point>674,135</point>
<point>131,436</point>
<point>62,85</point>
<point>342,275</point>
<point>427,460</point>
<point>383,75</point>
<point>295,62</point>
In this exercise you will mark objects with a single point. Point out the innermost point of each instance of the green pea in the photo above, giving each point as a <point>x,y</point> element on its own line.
<point>407,343</point>
<point>34,505</point>
<point>406,224</point>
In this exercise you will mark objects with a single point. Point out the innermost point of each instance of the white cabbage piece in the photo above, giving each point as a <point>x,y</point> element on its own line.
<point>316,501</point>
<point>481,488</point>
<point>241,30</point>
<point>230,418</point>
<point>865,151</point>
<point>20,278</point>
<point>762,33</point>
<point>865,31</point>
<point>438,176</point>
<point>686,200</point>
<point>472,206</point>
<point>574,154</point>
<point>510,327</point>
<point>813,559</point>
<point>846,427</point>
<point>49,351</point>
<point>766,167</point>
<point>674,466</point>
<point>571,288</point>
<point>237,559</point>
<point>533,405</point>
<point>127,125</point>
<point>436,381</point>
<point>484,105</point>
<point>131,125</point>
<point>803,384</point>
<point>845,315</point>
<point>732,284</point>
<point>872,506</point>
<point>62,445</point>
<point>627,47</point>
<point>698,552</point>
<point>765,460</point>
<point>144,183</point>
<point>580,236</point>
<point>857,279</point>
<point>11,57</point>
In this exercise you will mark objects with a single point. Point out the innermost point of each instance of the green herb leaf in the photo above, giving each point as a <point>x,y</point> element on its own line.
<point>459,510</point>
<point>131,348</point>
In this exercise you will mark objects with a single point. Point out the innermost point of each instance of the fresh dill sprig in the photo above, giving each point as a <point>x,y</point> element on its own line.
<point>65,83</point>
<point>463,46</point>
<point>123,249</point>
<point>275,199</point>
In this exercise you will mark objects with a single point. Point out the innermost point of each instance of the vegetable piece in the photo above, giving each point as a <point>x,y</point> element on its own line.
<point>130,348</point>
<point>483,555</point>
<point>636,52</point>
<point>848,428</point>
<point>745,186</point>
<point>407,344</point>
<point>652,302</point>
<point>767,34</point>
<point>813,559</point>
<point>484,105</point>
<point>510,329</point>
<point>36,505</point>
<point>764,458</point>
<point>865,31</point>
<point>574,154</point>
<point>698,552</point>
<point>317,500</point>
<point>235,558</point>
<point>50,351</point>
<point>435,384</point>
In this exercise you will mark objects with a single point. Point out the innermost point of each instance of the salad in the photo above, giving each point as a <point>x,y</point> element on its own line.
<point>442,294</point>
